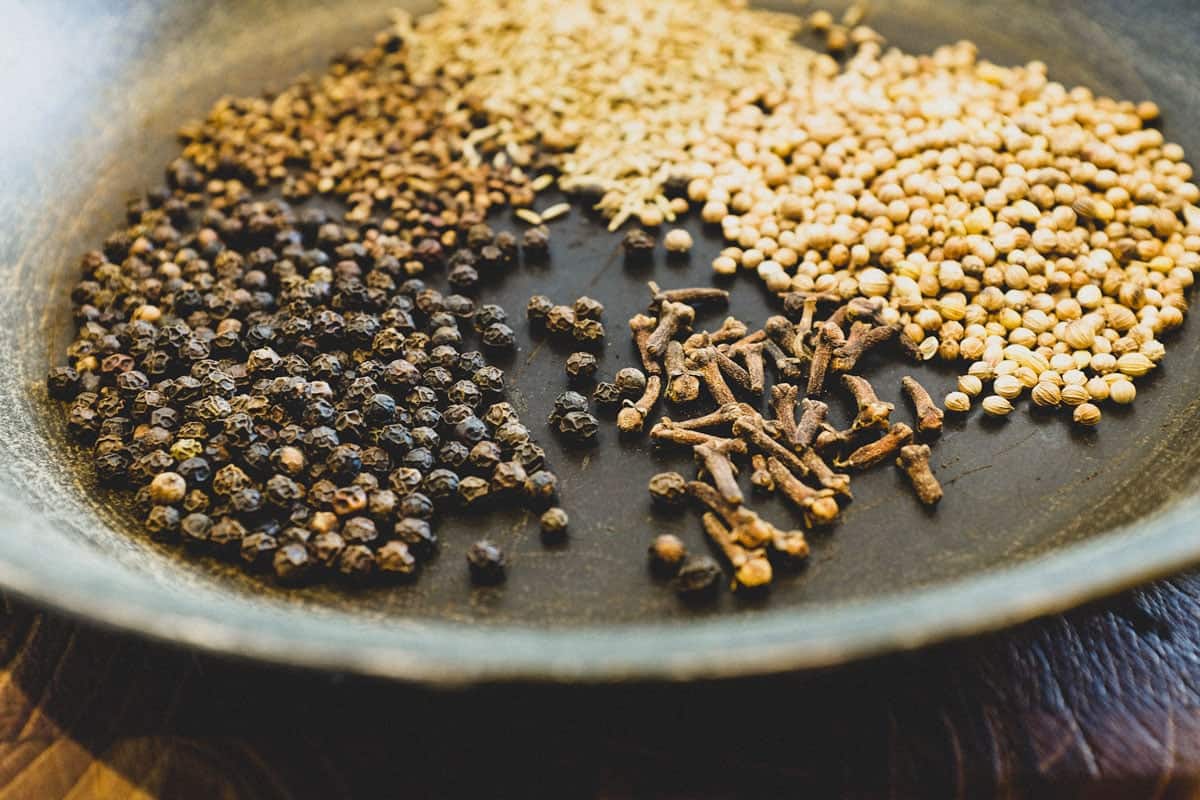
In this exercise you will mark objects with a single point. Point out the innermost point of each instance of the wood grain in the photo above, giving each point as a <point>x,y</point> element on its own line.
<point>1100,703</point>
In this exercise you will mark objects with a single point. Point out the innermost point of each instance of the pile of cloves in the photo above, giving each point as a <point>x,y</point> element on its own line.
<point>796,452</point>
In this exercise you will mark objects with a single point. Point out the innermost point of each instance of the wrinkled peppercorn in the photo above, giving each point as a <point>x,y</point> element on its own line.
<point>699,576</point>
<point>579,426</point>
<point>554,524</point>
<point>486,563</point>
<point>580,366</point>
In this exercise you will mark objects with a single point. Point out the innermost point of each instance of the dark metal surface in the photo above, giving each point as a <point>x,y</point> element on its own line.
<point>99,95</point>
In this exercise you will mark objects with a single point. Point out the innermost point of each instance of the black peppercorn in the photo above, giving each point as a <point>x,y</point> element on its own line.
<point>473,490</point>
<point>698,576</point>
<point>538,308</point>
<point>453,454</point>
<point>535,242</point>
<point>486,562</point>
<point>579,426</point>
<point>499,336</point>
<point>395,559</point>
<point>528,455</point>
<point>360,530</point>
<point>588,332</point>
<point>403,480</point>
<point>163,521</point>
<point>195,528</point>
<point>417,535</point>
<point>606,395</point>
<point>327,547</point>
<point>541,487</point>
<point>416,505</point>
<point>588,308</point>
<point>485,456</point>
<point>508,476</point>
<point>554,524</point>
<point>638,246</point>
<point>565,403</point>
<point>62,382</point>
<point>560,320</point>
<point>441,485</point>
<point>581,366</point>
<point>292,563</point>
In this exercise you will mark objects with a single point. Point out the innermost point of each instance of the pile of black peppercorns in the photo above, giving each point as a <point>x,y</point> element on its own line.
<point>275,388</point>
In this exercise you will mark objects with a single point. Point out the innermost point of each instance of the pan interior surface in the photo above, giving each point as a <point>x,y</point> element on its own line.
<point>1037,515</point>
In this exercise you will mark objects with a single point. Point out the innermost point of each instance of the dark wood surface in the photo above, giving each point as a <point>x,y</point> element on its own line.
<point>1099,703</point>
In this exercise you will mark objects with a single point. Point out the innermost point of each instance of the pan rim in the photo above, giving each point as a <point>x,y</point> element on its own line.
<point>444,654</point>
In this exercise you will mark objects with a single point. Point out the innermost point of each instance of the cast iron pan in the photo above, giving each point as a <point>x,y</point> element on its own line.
<point>1037,516</point>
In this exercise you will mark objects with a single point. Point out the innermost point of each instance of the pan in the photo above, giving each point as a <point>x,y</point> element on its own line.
<point>1037,516</point>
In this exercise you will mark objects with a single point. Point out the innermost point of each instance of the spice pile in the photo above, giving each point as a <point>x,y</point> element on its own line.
<point>276,385</point>
<point>792,446</point>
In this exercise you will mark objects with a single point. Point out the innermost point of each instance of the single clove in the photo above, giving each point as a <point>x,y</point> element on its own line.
<point>751,569</point>
<point>731,330</point>
<point>789,368</point>
<point>683,385</point>
<point>705,362</point>
<point>691,295</point>
<point>929,415</point>
<point>752,355</point>
<point>715,458</point>
<point>632,417</point>
<point>863,336</point>
<point>643,326</point>
<point>836,482</point>
<point>673,318</point>
<point>818,505</point>
<point>877,451</point>
<point>724,415</point>
<point>761,478</point>
<point>829,338</point>
<point>781,331</point>
<point>783,403</point>
<point>831,437</point>
<point>668,431</point>
<point>914,460</point>
<point>812,417</point>
<point>733,370</point>
<point>808,312</point>
<point>872,412</point>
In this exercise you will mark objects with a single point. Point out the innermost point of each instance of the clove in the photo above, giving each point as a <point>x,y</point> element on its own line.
<point>812,416</point>
<point>752,355</point>
<point>632,417</point>
<point>643,326</point>
<point>929,415</point>
<point>751,568</point>
<point>683,386</point>
<point>705,361</point>
<point>732,369</point>
<point>818,505</point>
<point>863,336</point>
<point>808,312</point>
<point>783,403</point>
<point>783,333</point>
<point>731,330</point>
<point>875,452</point>
<point>793,302</point>
<point>724,415</point>
<point>673,318</point>
<point>914,460</point>
<point>691,295</point>
<point>761,478</point>
<point>829,338</point>
<point>872,412</point>
<point>789,368</point>
<point>860,308</point>
<point>831,437</point>
<point>715,458</point>
<point>668,431</point>
<point>836,482</point>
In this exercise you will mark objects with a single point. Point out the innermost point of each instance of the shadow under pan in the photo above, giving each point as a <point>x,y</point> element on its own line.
<point>94,97</point>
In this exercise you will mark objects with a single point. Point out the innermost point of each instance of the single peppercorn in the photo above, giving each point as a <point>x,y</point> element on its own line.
<point>486,563</point>
<point>554,524</point>
<point>667,553</point>
<point>581,366</point>
<point>579,426</point>
<point>417,535</point>
<point>499,336</point>
<point>566,403</point>
<point>668,490</point>
<point>698,576</point>
<point>541,487</point>
<point>638,246</point>
<point>394,559</point>
<point>538,308</point>
<point>630,381</point>
<point>588,308</point>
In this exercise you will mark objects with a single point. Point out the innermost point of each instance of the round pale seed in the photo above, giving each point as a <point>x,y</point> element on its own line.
<point>1086,414</point>
<point>997,406</point>
<point>958,401</point>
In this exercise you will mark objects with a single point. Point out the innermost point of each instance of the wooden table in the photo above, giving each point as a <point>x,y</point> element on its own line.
<point>1102,702</point>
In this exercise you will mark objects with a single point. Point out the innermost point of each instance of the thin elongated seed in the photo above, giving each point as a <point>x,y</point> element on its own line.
<point>555,211</point>
<point>528,215</point>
